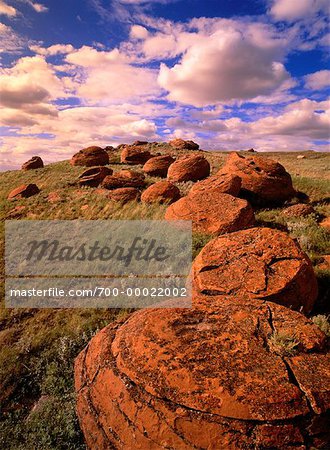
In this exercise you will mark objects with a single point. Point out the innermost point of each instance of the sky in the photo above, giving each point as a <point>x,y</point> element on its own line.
<point>228,74</point>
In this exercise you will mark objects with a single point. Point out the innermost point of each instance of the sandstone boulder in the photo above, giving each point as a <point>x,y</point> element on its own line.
<point>158,166</point>
<point>119,181</point>
<point>212,212</point>
<point>184,145</point>
<point>259,263</point>
<point>130,174</point>
<point>134,155</point>
<point>94,176</point>
<point>34,163</point>
<point>24,191</point>
<point>138,143</point>
<point>189,168</point>
<point>298,210</point>
<point>204,379</point>
<point>90,156</point>
<point>223,183</point>
<point>325,223</point>
<point>124,195</point>
<point>161,192</point>
<point>263,180</point>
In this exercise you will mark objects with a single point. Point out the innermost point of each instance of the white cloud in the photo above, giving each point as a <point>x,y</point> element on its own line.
<point>38,7</point>
<point>138,32</point>
<point>291,10</point>
<point>318,80</point>
<point>7,10</point>
<point>233,63</point>
<point>10,42</point>
<point>56,49</point>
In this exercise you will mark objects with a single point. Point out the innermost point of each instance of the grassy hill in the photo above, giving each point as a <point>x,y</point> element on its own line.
<point>37,347</point>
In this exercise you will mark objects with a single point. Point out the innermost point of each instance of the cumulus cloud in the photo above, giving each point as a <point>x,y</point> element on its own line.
<point>318,80</point>
<point>230,64</point>
<point>7,10</point>
<point>290,10</point>
<point>111,76</point>
<point>56,49</point>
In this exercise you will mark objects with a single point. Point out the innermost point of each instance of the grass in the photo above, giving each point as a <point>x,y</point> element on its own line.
<point>38,347</point>
<point>282,344</point>
<point>323,322</point>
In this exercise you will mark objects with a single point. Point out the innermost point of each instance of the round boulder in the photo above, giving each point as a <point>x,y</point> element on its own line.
<point>130,174</point>
<point>184,145</point>
<point>299,210</point>
<point>259,263</point>
<point>124,195</point>
<point>135,154</point>
<point>24,191</point>
<point>224,183</point>
<point>212,212</point>
<point>161,192</point>
<point>263,180</point>
<point>90,156</point>
<point>158,166</point>
<point>204,379</point>
<point>120,181</point>
<point>189,168</point>
<point>93,177</point>
<point>34,163</point>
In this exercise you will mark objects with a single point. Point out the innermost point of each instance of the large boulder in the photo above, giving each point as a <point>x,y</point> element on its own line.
<point>161,192</point>
<point>184,145</point>
<point>259,263</point>
<point>212,212</point>
<point>24,191</point>
<point>263,180</point>
<point>94,176</point>
<point>34,163</point>
<point>189,168</point>
<point>124,195</point>
<point>90,156</point>
<point>205,379</point>
<point>130,174</point>
<point>135,154</point>
<point>120,181</point>
<point>224,183</point>
<point>158,166</point>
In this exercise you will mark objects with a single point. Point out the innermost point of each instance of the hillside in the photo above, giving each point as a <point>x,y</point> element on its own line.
<point>37,347</point>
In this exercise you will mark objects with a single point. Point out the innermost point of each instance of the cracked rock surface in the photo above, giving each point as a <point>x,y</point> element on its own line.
<point>263,179</point>
<point>212,212</point>
<point>204,378</point>
<point>259,263</point>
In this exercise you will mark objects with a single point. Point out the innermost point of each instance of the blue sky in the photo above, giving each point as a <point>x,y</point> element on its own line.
<point>225,73</point>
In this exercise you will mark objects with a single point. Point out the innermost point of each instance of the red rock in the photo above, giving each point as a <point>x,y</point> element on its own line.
<point>54,197</point>
<point>24,191</point>
<point>135,155</point>
<point>196,378</point>
<point>189,168</point>
<point>161,192</point>
<point>223,183</point>
<point>184,145</point>
<point>121,181</point>
<point>325,223</point>
<point>259,263</point>
<point>34,163</point>
<point>130,174</point>
<point>94,176</point>
<point>212,212</point>
<point>158,166</point>
<point>263,180</point>
<point>16,212</point>
<point>138,143</point>
<point>90,156</point>
<point>298,210</point>
<point>124,195</point>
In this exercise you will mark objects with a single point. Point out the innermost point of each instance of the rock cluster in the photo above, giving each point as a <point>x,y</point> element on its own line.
<point>189,168</point>
<point>263,180</point>
<point>90,156</point>
<point>34,163</point>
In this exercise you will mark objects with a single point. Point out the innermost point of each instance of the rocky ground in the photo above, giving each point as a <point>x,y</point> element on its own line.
<point>263,206</point>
